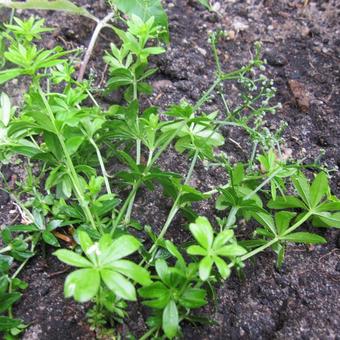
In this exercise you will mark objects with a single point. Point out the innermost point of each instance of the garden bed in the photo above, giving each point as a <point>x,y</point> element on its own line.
<point>301,45</point>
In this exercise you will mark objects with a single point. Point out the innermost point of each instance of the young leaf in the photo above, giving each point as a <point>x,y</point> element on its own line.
<point>55,5</point>
<point>119,248</point>
<point>132,271</point>
<point>170,320</point>
<point>302,186</point>
<point>286,202</point>
<point>304,237</point>
<point>205,267</point>
<point>193,298</point>
<point>222,267</point>
<point>205,3</point>
<point>7,323</point>
<point>145,10</point>
<point>318,188</point>
<point>71,258</point>
<point>7,300</point>
<point>231,250</point>
<point>282,220</point>
<point>118,284</point>
<point>5,109</point>
<point>202,232</point>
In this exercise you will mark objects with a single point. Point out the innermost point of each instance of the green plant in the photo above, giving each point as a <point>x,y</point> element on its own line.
<point>213,249</point>
<point>63,132</point>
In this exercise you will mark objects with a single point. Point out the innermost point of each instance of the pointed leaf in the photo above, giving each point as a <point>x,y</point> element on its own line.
<point>304,237</point>
<point>286,202</point>
<point>197,250</point>
<point>170,320</point>
<point>282,220</point>
<point>222,238</point>
<point>205,268</point>
<point>231,250</point>
<point>222,267</point>
<point>82,284</point>
<point>302,186</point>
<point>132,271</point>
<point>203,232</point>
<point>71,258</point>
<point>319,188</point>
<point>119,248</point>
<point>118,284</point>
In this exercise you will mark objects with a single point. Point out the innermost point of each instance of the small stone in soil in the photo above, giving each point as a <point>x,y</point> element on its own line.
<point>275,59</point>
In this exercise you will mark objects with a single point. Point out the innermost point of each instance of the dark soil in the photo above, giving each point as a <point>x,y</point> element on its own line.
<point>302,47</point>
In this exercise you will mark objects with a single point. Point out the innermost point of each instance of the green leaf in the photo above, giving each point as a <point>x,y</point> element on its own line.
<point>197,250</point>
<point>119,248</point>
<point>222,267</point>
<point>71,258</point>
<point>155,290</point>
<point>55,5</point>
<point>132,271</point>
<point>162,270</point>
<point>170,320</point>
<point>145,10</point>
<point>205,3</point>
<point>319,188</point>
<point>7,300</point>
<point>282,220</point>
<point>73,144</point>
<point>84,240</point>
<point>330,220</point>
<point>5,109</point>
<point>82,284</point>
<point>23,227</point>
<point>50,239</point>
<point>329,206</point>
<point>237,174</point>
<point>7,323</point>
<point>265,220</point>
<point>304,237</point>
<point>7,75</point>
<point>118,284</point>
<point>222,238</point>
<point>203,232</point>
<point>231,250</point>
<point>205,268</point>
<point>172,249</point>
<point>286,202</point>
<point>53,144</point>
<point>193,298</point>
<point>302,186</point>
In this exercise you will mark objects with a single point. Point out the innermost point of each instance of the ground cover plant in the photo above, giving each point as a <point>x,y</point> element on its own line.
<point>62,131</point>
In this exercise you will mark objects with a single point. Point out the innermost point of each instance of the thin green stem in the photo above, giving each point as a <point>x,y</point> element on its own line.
<point>72,172</point>
<point>175,206</point>
<point>102,166</point>
<point>149,333</point>
<point>277,238</point>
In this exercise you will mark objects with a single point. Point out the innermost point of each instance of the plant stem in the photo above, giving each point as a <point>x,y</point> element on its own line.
<point>175,206</point>
<point>92,43</point>
<point>207,94</point>
<point>277,238</point>
<point>102,166</point>
<point>17,272</point>
<point>149,333</point>
<point>151,160</point>
<point>72,172</point>
<point>9,248</point>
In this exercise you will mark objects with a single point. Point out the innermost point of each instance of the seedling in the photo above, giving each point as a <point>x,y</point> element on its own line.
<point>77,201</point>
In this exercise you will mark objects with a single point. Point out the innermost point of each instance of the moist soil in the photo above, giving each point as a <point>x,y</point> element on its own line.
<point>301,44</point>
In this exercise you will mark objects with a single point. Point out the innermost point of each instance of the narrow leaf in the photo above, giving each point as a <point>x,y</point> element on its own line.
<point>170,320</point>
<point>304,237</point>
